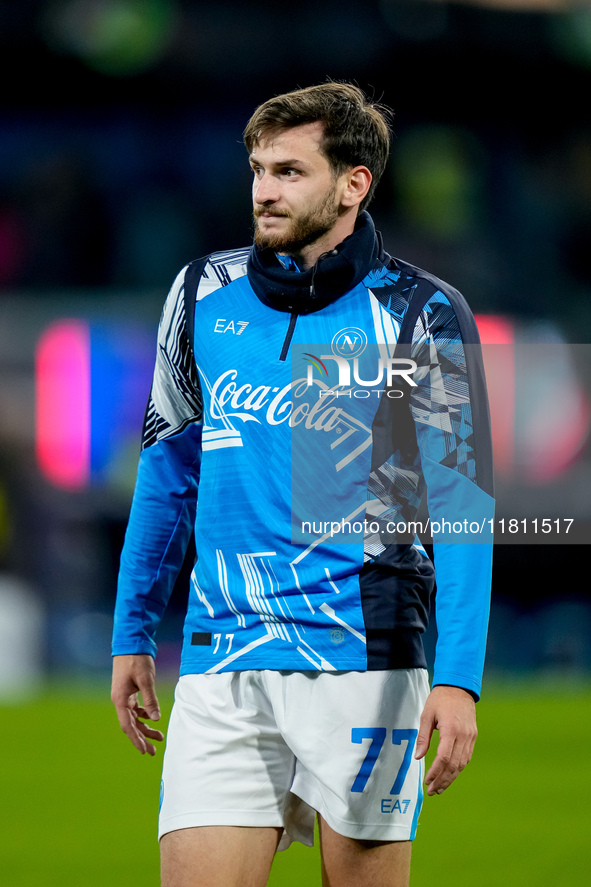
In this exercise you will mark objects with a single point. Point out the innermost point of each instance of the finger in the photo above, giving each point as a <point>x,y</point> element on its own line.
<point>145,731</point>
<point>443,780</point>
<point>128,723</point>
<point>143,713</point>
<point>426,727</point>
<point>463,748</point>
<point>150,732</point>
<point>448,764</point>
<point>149,698</point>
<point>436,778</point>
<point>150,749</point>
<point>135,730</point>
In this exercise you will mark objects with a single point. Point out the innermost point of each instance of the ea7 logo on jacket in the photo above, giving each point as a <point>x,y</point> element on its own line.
<point>237,327</point>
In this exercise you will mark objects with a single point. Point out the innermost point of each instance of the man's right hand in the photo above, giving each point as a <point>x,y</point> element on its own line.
<point>132,675</point>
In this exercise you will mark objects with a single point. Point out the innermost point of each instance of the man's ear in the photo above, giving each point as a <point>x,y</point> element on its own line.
<point>357,184</point>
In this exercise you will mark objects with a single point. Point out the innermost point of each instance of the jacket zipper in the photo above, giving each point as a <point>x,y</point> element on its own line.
<point>294,316</point>
<point>288,335</point>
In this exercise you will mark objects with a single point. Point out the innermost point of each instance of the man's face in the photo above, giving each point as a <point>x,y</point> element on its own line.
<point>295,194</point>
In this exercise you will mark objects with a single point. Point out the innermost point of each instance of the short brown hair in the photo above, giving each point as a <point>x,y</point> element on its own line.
<point>356,131</point>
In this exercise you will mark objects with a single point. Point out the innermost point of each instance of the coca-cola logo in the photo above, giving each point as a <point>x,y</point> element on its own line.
<point>275,405</point>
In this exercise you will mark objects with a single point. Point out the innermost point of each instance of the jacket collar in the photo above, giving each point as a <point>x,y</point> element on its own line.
<point>334,274</point>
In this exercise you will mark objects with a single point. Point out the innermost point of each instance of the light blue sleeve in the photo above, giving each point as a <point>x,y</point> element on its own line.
<point>450,410</point>
<point>463,569</point>
<point>165,499</point>
<point>160,524</point>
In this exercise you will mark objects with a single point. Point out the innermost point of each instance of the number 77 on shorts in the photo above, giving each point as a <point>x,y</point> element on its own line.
<point>377,737</point>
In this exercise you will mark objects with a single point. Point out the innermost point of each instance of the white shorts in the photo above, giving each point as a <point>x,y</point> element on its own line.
<point>268,748</point>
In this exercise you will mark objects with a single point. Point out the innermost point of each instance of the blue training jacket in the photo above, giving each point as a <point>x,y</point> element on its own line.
<point>309,427</point>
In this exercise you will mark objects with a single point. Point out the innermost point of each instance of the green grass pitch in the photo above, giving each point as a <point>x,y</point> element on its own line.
<point>78,804</point>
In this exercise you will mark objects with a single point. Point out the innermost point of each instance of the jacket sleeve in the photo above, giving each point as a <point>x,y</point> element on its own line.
<point>165,498</point>
<point>451,416</point>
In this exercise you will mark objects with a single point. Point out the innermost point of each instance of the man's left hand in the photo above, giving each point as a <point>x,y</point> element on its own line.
<point>451,711</point>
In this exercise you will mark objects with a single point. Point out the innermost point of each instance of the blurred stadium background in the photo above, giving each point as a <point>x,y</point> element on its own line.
<point>120,161</point>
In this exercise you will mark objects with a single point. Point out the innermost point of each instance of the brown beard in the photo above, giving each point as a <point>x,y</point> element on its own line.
<point>304,229</point>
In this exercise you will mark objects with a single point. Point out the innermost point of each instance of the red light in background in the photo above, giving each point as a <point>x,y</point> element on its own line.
<point>62,380</point>
<point>495,330</point>
<point>498,337</point>
<point>540,412</point>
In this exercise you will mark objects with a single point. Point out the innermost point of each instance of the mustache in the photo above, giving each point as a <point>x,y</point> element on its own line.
<point>270,212</point>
